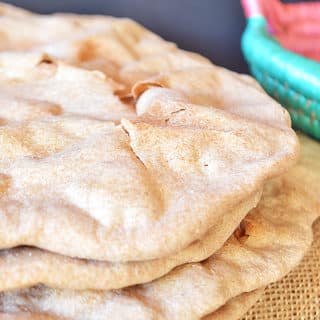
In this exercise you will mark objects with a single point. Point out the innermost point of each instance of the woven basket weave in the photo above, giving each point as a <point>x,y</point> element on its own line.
<point>290,78</point>
<point>297,296</point>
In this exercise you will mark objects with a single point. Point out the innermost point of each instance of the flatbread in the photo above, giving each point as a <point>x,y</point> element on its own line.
<point>128,194</point>
<point>270,241</point>
<point>67,172</point>
<point>232,310</point>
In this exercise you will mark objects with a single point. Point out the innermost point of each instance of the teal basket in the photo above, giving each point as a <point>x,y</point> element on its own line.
<point>291,79</point>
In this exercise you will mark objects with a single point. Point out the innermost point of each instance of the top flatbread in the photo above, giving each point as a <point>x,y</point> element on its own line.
<point>130,192</point>
<point>78,183</point>
<point>269,242</point>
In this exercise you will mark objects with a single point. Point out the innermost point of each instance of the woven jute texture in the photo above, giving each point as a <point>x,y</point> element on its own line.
<point>297,296</point>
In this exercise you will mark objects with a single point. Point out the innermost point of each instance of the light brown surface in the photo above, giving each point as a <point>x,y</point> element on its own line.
<point>174,159</point>
<point>270,241</point>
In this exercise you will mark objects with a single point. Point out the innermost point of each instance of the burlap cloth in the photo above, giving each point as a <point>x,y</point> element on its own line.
<point>297,296</point>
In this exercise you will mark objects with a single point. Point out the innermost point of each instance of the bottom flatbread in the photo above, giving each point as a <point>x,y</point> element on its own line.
<point>232,310</point>
<point>27,316</point>
<point>270,241</point>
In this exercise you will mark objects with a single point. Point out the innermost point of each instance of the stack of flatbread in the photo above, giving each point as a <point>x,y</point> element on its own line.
<point>137,180</point>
